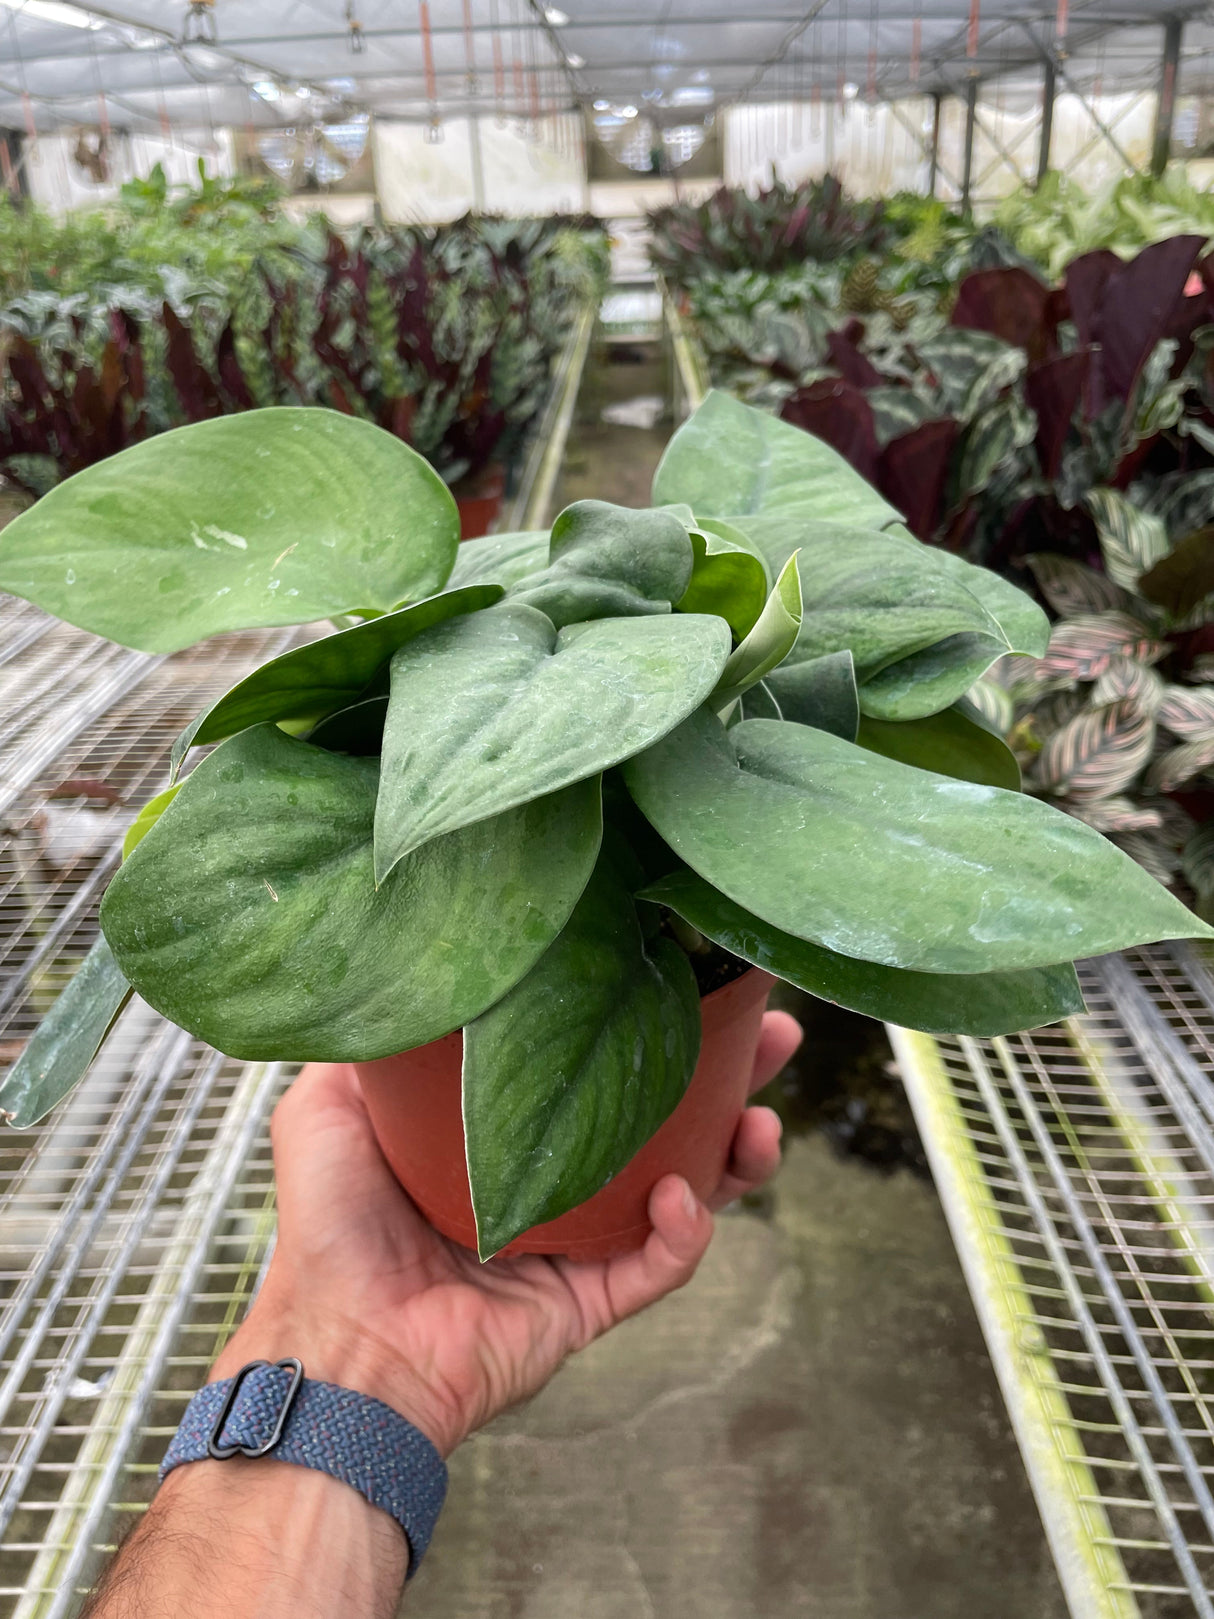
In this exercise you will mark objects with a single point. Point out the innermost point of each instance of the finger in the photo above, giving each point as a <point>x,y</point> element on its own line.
<point>755,1156</point>
<point>682,1230</point>
<point>780,1036</point>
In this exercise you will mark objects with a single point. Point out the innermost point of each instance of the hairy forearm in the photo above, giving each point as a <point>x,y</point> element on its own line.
<point>245,1539</point>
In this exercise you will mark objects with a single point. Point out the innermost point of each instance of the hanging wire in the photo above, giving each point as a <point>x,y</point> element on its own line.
<point>355,36</point>
<point>1060,25</point>
<point>971,38</point>
<point>871,85</point>
<point>916,56</point>
<point>499,65</point>
<point>434,129</point>
<point>34,151</point>
<point>470,74</point>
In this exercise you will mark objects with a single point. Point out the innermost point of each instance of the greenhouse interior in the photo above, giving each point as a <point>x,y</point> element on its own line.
<point>743,479</point>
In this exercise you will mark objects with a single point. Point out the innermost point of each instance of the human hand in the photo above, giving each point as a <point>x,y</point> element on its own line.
<point>368,1295</point>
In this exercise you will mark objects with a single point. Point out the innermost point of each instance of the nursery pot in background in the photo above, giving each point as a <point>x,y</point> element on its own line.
<point>479,500</point>
<point>414,1102</point>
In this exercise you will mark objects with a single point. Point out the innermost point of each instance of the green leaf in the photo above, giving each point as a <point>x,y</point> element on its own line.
<point>820,692</point>
<point>949,743</point>
<point>610,561</point>
<point>270,517</point>
<point>940,1003</point>
<point>569,1075</point>
<point>492,710</point>
<point>1183,579</point>
<point>728,578</point>
<point>1132,540</point>
<point>1022,623</point>
<point>250,914</point>
<point>58,1053</point>
<point>729,459</point>
<point>769,642</point>
<point>358,729</point>
<point>500,559</point>
<point>929,681</point>
<point>878,860</point>
<point>146,819</point>
<point>317,679</point>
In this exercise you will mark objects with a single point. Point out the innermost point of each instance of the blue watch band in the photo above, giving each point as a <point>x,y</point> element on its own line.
<point>274,1410</point>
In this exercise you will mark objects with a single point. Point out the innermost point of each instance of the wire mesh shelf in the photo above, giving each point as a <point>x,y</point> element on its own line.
<point>1076,1165</point>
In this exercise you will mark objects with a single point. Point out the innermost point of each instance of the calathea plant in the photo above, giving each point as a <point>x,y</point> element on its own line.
<point>540,785</point>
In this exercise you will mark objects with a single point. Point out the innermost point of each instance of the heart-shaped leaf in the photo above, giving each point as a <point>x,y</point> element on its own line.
<point>769,642</point>
<point>940,1003</point>
<point>1181,580</point>
<point>568,1076</point>
<point>275,516</point>
<point>249,914</point>
<point>494,709</point>
<point>610,561</point>
<point>820,692</point>
<point>948,743</point>
<point>728,577</point>
<point>729,459</point>
<point>878,860</point>
<point>317,679</point>
<point>58,1053</point>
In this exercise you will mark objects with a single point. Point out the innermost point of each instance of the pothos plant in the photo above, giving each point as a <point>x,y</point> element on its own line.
<point>548,776</point>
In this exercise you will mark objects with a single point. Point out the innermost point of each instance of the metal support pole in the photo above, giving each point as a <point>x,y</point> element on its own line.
<point>1049,89</point>
<point>933,175</point>
<point>971,119</point>
<point>1173,30</point>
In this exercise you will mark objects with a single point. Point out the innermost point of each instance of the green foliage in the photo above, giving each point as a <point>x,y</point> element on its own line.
<point>528,831</point>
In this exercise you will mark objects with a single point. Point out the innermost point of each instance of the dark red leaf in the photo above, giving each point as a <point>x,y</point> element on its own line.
<point>913,472</point>
<point>838,413</point>
<point>1053,391</point>
<point>1012,304</point>
<point>852,366</point>
<point>1140,301</point>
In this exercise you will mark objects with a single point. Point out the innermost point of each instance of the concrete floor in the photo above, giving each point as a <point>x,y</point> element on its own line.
<point>812,1428</point>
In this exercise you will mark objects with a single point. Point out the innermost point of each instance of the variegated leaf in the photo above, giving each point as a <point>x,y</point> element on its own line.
<point>1202,667</point>
<point>1098,752</point>
<point>1071,587</point>
<point>1116,814</point>
<point>1127,678</point>
<point>1179,765</point>
<point>1197,863</point>
<point>1083,648</point>
<point>1153,853</point>
<point>993,703</point>
<point>1131,540</point>
<point>1058,708</point>
<point>1187,712</point>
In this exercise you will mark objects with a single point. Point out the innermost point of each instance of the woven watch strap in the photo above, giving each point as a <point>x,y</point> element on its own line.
<point>350,1436</point>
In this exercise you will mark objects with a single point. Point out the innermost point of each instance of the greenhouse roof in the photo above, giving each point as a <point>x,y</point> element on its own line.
<point>147,63</point>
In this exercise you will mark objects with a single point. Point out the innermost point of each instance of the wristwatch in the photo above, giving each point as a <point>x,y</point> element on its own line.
<point>272,1409</point>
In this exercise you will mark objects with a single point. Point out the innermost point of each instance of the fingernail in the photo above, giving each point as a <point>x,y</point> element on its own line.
<point>690,1206</point>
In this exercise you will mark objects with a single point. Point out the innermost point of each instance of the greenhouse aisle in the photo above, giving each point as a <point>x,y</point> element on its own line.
<point>812,1428</point>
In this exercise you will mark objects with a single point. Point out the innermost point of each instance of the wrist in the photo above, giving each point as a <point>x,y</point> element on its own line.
<point>342,1353</point>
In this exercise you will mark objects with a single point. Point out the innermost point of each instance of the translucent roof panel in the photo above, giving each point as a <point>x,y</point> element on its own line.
<point>142,63</point>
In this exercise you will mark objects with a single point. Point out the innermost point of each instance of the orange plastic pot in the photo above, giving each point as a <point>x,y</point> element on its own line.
<point>414,1103</point>
<point>479,500</point>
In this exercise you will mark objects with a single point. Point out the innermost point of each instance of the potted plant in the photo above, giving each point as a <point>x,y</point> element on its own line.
<point>522,827</point>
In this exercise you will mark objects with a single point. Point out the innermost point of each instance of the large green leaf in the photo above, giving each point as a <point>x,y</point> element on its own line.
<point>276,516</point>
<point>931,680</point>
<point>569,1075</point>
<point>949,743</point>
<point>312,681</point>
<point>249,914</point>
<point>59,1051</point>
<point>769,642</point>
<point>1023,623</point>
<point>820,691</point>
<point>729,577</point>
<point>896,865</point>
<point>500,559</point>
<point>497,708</point>
<point>729,459</point>
<point>940,1003</point>
<point>609,561</point>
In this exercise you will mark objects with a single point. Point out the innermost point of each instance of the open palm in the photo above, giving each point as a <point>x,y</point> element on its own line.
<point>368,1294</point>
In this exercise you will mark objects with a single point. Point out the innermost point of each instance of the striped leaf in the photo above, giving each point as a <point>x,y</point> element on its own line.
<point>1131,540</point>
<point>1071,587</point>
<point>1083,648</point>
<point>1153,853</point>
<point>993,703</point>
<point>1116,814</point>
<point>1179,765</point>
<point>1127,678</point>
<point>1202,667</point>
<point>1098,752</point>
<point>1187,713</point>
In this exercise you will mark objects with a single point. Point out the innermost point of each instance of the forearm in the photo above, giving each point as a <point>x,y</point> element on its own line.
<point>245,1539</point>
